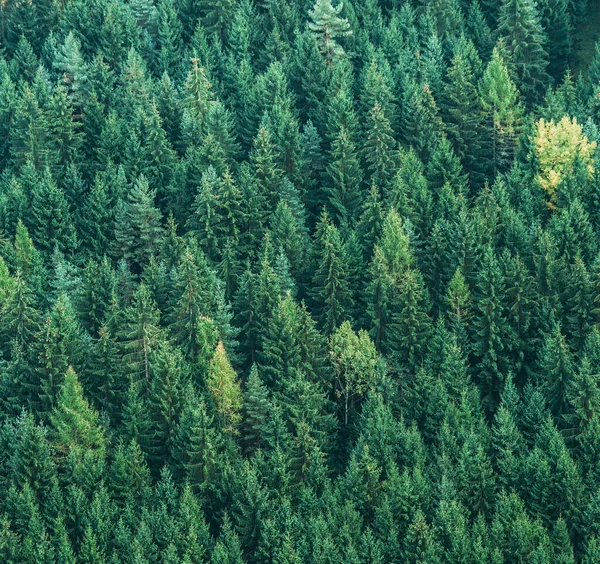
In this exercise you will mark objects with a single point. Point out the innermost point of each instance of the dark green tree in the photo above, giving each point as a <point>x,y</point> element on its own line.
<point>137,225</point>
<point>525,42</point>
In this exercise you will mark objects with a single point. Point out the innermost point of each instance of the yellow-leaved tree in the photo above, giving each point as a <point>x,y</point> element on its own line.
<point>224,386</point>
<point>557,146</point>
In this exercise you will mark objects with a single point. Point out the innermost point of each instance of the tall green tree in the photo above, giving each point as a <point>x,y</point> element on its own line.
<point>330,284</point>
<point>327,26</point>
<point>137,225</point>
<point>525,42</point>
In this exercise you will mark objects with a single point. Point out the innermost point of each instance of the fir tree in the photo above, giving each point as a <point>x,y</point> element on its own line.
<point>224,387</point>
<point>52,222</point>
<point>74,424</point>
<point>256,411</point>
<point>330,287</point>
<point>520,27</point>
<point>327,25</point>
<point>137,225</point>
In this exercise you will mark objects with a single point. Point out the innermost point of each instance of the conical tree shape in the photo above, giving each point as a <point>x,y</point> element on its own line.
<point>224,386</point>
<point>137,225</point>
<point>74,424</point>
<point>197,447</point>
<point>165,402</point>
<point>327,26</point>
<point>330,285</point>
<point>499,99</point>
<point>256,410</point>
<point>345,177</point>
<point>524,39</point>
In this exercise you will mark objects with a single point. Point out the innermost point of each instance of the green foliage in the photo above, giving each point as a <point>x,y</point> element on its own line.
<point>137,225</point>
<point>327,25</point>
<point>525,43</point>
<point>74,424</point>
<point>299,281</point>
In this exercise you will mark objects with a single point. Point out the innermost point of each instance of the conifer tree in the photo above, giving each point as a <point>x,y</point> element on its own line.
<point>29,134</point>
<point>224,386</point>
<point>461,111</point>
<point>327,25</point>
<point>256,411</point>
<point>198,92</point>
<point>380,149</point>
<point>59,346</point>
<point>140,335</point>
<point>524,39</point>
<point>556,370</point>
<point>20,318</point>
<point>52,222</point>
<point>421,123</point>
<point>490,330</point>
<point>280,358</point>
<point>65,135</point>
<point>330,285</point>
<point>75,426</point>
<point>410,323</point>
<point>499,99</point>
<point>31,462</point>
<point>137,225</point>
<point>197,446</point>
<point>557,23</point>
<point>266,171</point>
<point>165,401</point>
<point>345,176</point>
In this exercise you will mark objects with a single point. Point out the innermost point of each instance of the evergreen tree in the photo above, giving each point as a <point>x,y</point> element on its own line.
<point>20,318</point>
<point>490,330</point>
<point>524,39</point>
<point>224,386</point>
<point>557,23</point>
<point>197,446</point>
<point>499,99</point>
<point>327,25</point>
<point>52,223</point>
<point>556,370</point>
<point>380,149</point>
<point>345,177</point>
<point>410,323</point>
<point>137,225</point>
<point>330,286</point>
<point>461,111</point>
<point>74,424</point>
<point>165,401</point>
<point>69,63</point>
<point>256,411</point>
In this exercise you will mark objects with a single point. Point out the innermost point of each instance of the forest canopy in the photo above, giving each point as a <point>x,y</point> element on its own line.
<point>299,281</point>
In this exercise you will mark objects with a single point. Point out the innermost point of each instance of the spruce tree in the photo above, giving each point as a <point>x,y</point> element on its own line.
<point>256,411</point>
<point>20,318</point>
<point>461,111</point>
<point>223,384</point>
<point>490,330</point>
<point>524,39</point>
<point>499,99</point>
<point>380,149</point>
<point>137,225</point>
<point>329,284</point>
<point>52,222</point>
<point>327,25</point>
<point>165,402</point>
<point>74,425</point>
<point>345,177</point>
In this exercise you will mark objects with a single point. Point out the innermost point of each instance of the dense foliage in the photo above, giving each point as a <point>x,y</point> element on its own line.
<point>284,281</point>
